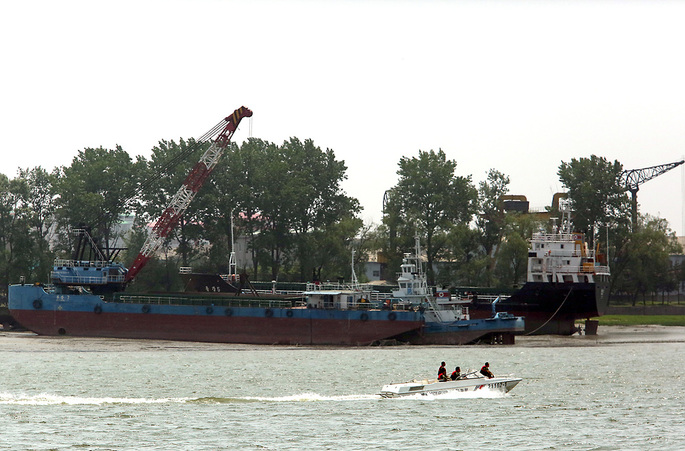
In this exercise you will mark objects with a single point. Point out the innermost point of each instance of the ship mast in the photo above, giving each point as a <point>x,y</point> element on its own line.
<point>355,281</point>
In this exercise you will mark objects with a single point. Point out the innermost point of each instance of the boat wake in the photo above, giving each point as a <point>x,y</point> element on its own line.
<point>45,399</point>
<point>302,397</point>
<point>306,397</point>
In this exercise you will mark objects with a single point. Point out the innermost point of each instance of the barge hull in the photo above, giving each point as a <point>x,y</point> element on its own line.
<point>90,316</point>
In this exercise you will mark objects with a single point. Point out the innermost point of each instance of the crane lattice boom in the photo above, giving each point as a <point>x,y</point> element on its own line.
<point>631,179</point>
<point>191,185</point>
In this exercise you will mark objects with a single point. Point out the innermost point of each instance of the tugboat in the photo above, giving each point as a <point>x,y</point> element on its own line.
<point>447,318</point>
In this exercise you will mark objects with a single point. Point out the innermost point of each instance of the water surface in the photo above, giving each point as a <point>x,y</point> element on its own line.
<point>620,390</point>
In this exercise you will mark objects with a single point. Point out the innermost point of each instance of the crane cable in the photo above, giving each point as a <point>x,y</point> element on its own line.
<point>175,161</point>
<point>167,166</point>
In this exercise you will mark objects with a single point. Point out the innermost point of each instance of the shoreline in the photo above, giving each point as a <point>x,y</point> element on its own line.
<point>609,335</point>
<point>606,336</point>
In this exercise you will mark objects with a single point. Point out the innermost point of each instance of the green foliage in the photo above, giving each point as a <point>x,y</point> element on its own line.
<point>512,261</point>
<point>314,199</point>
<point>288,201</point>
<point>163,175</point>
<point>639,320</point>
<point>26,209</point>
<point>644,260</point>
<point>238,183</point>
<point>92,191</point>
<point>490,219</point>
<point>429,199</point>
<point>468,265</point>
<point>598,198</point>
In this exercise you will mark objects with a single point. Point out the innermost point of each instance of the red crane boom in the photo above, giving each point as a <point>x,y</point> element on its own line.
<point>191,185</point>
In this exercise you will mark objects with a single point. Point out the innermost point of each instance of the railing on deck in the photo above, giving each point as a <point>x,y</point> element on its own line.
<point>336,286</point>
<point>572,270</point>
<point>203,301</point>
<point>80,279</point>
<point>82,264</point>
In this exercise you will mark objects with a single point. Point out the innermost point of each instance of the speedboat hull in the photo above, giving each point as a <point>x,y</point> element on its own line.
<point>503,384</point>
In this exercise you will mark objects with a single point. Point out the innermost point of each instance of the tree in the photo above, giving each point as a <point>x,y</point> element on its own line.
<point>512,259</point>
<point>598,198</point>
<point>430,197</point>
<point>165,172</point>
<point>237,185</point>
<point>40,201</point>
<point>331,258</point>
<point>26,207</point>
<point>317,200</point>
<point>646,258</point>
<point>468,263</point>
<point>14,229</point>
<point>490,219</point>
<point>160,273</point>
<point>92,191</point>
<point>288,199</point>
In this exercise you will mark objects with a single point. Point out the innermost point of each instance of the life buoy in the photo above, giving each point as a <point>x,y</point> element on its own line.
<point>37,304</point>
<point>392,316</point>
<point>441,294</point>
<point>228,312</point>
<point>209,310</point>
<point>364,317</point>
<point>289,313</point>
<point>97,309</point>
<point>268,313</point>
<point>146,308</point>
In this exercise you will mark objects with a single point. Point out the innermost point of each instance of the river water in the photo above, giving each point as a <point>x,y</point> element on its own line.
<point>623,389</point>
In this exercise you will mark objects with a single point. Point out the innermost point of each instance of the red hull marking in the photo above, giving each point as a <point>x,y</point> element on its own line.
<point>218,329</point>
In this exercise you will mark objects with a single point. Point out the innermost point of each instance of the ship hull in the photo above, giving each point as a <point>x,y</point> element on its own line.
<point>490,330</point>
<point>89,316</point>
<point>551,308</point>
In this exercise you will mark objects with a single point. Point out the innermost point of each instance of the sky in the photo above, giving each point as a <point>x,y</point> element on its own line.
<point>517,86</point>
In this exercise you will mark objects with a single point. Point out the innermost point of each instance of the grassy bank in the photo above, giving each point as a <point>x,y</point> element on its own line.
<point>640,320</point>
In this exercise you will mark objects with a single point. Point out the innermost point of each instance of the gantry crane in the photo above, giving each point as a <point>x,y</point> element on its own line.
<point>191,185</point>
<point>631,180</point>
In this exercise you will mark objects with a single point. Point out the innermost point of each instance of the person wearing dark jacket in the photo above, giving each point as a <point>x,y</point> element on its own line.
<point>442,372</point>
<point>485,371</point>
<point>456,374</point>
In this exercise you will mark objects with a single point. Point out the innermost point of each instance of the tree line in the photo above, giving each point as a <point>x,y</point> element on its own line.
<point>288,201</point>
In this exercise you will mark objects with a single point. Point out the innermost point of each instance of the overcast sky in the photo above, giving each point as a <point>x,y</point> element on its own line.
<point>519,86</point>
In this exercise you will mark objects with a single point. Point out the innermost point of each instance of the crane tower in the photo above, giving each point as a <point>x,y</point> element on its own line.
<point>631,179</point>
<point>194,180</point>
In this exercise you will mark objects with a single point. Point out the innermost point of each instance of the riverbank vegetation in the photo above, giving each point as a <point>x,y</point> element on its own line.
<point>641,320</point>
<point>293,221</point>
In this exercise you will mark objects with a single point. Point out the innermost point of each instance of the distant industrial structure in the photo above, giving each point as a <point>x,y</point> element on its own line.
<point>631,179</point>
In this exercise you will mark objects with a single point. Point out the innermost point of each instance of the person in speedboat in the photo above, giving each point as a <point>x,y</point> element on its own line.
<point>442,373</point>
<point>485,371</point>
<point>456,374</point>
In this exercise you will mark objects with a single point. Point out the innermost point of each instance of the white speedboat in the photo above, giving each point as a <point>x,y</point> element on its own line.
<point>470,382</point>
